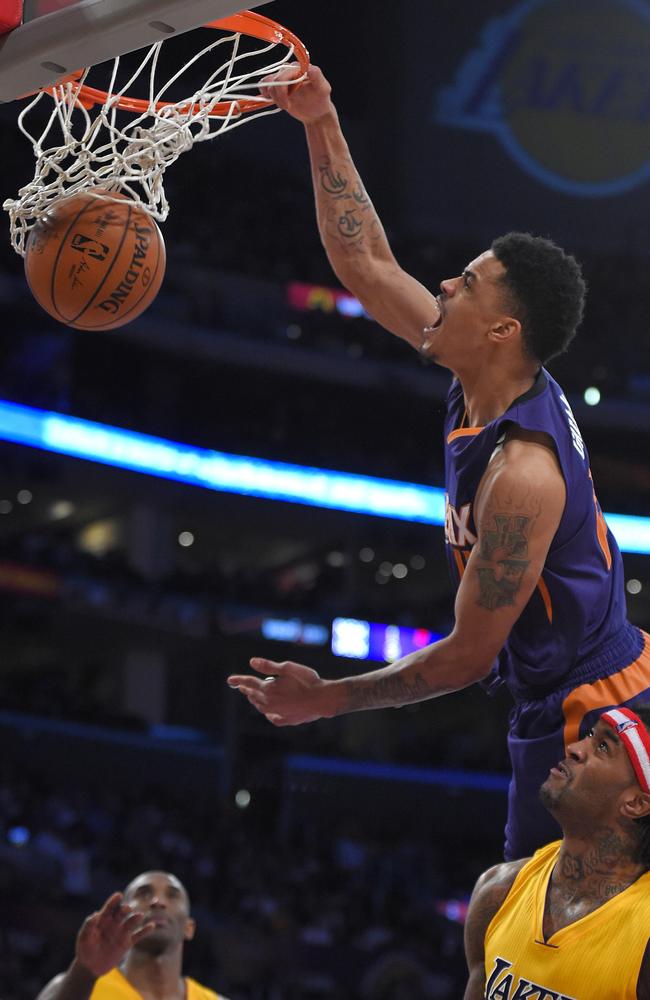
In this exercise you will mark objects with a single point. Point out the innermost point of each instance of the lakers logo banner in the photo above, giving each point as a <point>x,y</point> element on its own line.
<point>565,87</point>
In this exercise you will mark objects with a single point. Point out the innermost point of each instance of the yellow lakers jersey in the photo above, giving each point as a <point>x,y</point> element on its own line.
<point>114,986</point>
<point>596,958</point>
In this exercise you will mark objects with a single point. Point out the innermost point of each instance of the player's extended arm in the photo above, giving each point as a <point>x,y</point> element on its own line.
<point>519,506</point>
<point>489,894</point>
<point>350,228</point>
<point>102,942</point>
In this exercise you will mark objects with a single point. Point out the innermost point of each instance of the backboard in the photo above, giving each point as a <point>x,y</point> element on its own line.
<point>58,37</point>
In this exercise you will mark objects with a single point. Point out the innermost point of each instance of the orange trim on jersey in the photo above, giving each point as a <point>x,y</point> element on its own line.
<point>601,531</point>
<point>610,691</point>
<point>546,597</point>
<point>463,432</point>
<point>459,562</point>
<point>601,528</point>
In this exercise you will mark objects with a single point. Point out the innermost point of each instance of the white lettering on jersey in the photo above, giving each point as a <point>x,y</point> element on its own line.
<point>506,985</point>
<point>457,531</point>
<point>576,436</point>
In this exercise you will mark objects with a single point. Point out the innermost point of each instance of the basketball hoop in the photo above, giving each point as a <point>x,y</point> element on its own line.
<point>95,148</point>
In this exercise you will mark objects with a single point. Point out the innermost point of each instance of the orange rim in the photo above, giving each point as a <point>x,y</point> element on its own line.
<point>245,23</point>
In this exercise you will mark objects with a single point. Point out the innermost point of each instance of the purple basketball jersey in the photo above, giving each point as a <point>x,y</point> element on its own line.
<point>579,602</point>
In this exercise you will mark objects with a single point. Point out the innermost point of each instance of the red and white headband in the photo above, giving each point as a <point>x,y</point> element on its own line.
<point>635,738</point>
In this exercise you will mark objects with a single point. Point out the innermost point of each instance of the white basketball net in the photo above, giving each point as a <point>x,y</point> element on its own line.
<point>80,149</point>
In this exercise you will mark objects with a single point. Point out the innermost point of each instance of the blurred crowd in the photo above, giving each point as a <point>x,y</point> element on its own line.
<point>317,912</point>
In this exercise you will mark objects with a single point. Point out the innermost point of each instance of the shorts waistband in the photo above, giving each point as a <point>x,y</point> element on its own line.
<point>615,654</point>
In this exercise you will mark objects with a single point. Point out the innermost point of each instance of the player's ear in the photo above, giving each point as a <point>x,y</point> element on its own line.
<point>190,929</point>
<point>636,804</point>
<point>505,328</point>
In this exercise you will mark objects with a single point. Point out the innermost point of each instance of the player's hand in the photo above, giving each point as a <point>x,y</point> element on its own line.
<point>308,102</point>
<point>293,694</point>
<point>107,935</point>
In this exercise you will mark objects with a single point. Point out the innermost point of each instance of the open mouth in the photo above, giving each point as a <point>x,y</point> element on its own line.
<point>562,769</point>
<point>439,318</point>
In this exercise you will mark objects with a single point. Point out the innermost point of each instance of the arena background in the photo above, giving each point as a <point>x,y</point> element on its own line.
<point>335,859</point>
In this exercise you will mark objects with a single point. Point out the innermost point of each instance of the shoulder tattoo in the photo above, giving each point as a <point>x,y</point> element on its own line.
<point>505,530</point>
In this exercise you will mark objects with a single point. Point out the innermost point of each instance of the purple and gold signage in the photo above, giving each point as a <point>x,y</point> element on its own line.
<point>565,87</point>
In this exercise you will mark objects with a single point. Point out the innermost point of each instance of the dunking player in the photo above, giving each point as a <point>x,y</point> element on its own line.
<point>574,920</point>
<point>540,602</point>
<point>133,947</point>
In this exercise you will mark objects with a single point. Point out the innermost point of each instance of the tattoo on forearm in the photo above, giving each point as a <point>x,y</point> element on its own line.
<point>386,692</point>
<point>347,214</point>
<point>360,195</point>
<point>350,225</point>
<point>504,547</point>
<point>332,180</point>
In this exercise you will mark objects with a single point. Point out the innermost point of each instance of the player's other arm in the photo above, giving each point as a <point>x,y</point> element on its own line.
<point>349,226</point>
<point>75,984</point>
<point>519,506</point>
<point>102,942</point>
<point>489,895</point>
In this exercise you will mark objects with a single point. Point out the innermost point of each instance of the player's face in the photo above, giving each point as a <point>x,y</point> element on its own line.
<point>592,778</point>
<point>471,305</point>
<point>162,899</point>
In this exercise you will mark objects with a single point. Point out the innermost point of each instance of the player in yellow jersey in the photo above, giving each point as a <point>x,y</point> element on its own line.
<point>133,947</point>
<point>573,921</point>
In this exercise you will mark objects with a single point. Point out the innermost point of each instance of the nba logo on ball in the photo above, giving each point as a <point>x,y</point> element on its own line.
<point>95,260</point>
<point>566,88</point>
<point>86,244</point>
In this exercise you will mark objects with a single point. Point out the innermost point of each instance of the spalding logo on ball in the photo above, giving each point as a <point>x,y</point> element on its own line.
<point>95,263</point>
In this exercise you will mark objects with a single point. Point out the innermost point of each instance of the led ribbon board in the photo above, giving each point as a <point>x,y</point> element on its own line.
<point>361,640</point>
<point>257,477</point>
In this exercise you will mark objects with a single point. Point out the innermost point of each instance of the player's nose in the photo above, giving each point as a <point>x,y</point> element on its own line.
<point>577,751</point>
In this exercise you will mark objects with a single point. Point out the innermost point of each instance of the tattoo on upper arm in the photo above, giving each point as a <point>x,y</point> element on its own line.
<point>499,585</point>
<point>349,217</point>
<point>503,545</point>
<point>508,533</point>
<point>483,906</point>
<point>386,692</point>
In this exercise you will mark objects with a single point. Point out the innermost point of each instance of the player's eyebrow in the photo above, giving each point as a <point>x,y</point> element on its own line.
<point>607,733</point>
<point>142,887</point>
<point>147,887</point>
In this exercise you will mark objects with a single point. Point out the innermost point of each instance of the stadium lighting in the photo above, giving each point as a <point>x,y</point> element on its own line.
<point>246,476</point>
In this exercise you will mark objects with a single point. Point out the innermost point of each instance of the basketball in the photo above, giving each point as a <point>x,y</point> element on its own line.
<point>94,263</point>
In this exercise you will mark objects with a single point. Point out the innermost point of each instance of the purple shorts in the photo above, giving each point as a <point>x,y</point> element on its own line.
<point>541,729</point>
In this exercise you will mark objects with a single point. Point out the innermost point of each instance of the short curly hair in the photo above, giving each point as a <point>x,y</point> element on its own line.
<point>546,292</point>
